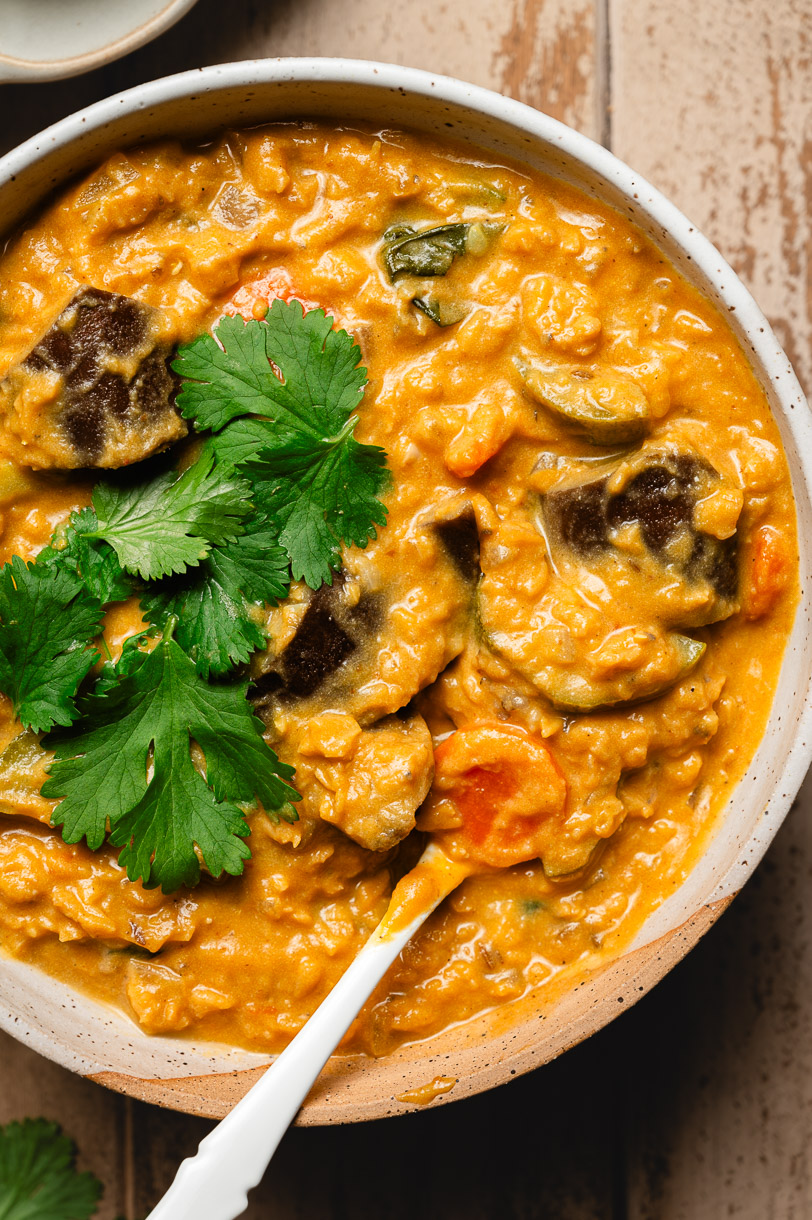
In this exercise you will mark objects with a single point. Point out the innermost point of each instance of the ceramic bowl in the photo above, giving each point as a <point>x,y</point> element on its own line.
<point>52,39</point>
<point>205,1078</point>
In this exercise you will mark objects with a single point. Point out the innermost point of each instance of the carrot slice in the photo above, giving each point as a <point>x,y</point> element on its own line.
<point>769,572</point>
<point>505,786</point>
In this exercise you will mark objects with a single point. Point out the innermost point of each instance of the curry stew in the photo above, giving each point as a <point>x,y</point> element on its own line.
<point>588,565</point>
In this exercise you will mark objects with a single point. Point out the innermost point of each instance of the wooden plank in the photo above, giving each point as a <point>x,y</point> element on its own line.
<point>32,1087</point>
<point>531,1150</point>
<point>541,51</point>
<point>712,102</point>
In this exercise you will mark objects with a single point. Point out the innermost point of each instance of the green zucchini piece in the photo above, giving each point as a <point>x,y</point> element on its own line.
<point>442,313</point>
<point>605,405</point>
<point>570,858</point>
<point>569,691</point>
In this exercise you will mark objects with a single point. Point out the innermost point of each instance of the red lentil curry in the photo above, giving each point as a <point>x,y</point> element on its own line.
<point>575,612</point>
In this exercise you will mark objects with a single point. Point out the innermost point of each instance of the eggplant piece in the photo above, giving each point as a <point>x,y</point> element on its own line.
<point>96,390</point>
<point>441,313</point>
<point>460,537</point>
<point>381,632</point>
<point>602,403</point>
<point>628,571</point>
<point>328,635</point>
<point>659,497</point>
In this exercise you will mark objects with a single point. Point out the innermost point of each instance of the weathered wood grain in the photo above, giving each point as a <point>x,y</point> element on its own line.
<point>542,51</point>
<point>528,1151</point>
<point>31,1087</point>
<point>713,103</point>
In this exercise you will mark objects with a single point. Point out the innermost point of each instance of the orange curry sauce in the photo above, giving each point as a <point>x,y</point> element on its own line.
<point>587,644</point>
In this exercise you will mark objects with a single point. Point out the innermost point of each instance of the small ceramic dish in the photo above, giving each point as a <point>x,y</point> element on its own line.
<point>52,39</point>
<point>205,1078</point>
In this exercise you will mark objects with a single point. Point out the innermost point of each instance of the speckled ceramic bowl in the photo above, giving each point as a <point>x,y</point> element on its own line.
<point>52,39</point>
<point>205,1078</point>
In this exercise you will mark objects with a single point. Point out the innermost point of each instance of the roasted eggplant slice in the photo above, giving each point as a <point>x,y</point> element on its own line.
<point>656,496</point>
<point>671,658</point>
<point>372,640</point>
<point>459,534</point>
<point>628,568</point>
<point>96,390</point>
<point>602,403</point>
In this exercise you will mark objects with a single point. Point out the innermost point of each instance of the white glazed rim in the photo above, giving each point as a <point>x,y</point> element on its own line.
<point>14,70</point>
<point>718,886</point>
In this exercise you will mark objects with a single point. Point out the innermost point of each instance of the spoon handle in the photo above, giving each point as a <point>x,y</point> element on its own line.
<point>214,1184</point>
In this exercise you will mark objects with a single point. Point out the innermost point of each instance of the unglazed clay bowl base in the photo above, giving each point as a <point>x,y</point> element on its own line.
<point>207,1078</point>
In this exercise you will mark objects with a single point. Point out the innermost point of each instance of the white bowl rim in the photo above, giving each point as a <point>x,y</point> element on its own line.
<point>15,70</point>
<point>648,202</point>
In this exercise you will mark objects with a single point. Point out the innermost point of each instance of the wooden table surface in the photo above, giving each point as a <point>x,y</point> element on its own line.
<point>697,1104</point>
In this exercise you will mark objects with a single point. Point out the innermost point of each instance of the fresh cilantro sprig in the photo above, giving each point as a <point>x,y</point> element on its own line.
<point>91,559</point>
<point>216,605</point>
<point>153,715</point>
<point>164,762</point>
<point>38,1176</point>
<point>167,524</point>
<point>302,380</point>
<point>49,620</point>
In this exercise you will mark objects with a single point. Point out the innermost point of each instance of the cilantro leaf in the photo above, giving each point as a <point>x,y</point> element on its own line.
<point>321,492</point>
<point>38,1178</point>
<point>314,481</point>
<point>166,524</point>
<point>91,559</point>
<point>159,707</point>
<point>321,381</point>
<point>241,440</point>
<point>47,621</point>
<point>213,604</point>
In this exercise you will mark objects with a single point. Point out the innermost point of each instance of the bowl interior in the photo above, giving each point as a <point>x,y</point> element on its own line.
<point>207,1078</point>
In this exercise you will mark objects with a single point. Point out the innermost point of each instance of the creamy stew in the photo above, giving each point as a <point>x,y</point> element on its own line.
<point>588,566</point>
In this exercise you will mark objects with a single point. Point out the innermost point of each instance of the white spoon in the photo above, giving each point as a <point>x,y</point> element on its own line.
<point>214,1183</point>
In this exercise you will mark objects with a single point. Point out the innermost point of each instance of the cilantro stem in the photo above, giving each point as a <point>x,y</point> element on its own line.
<point>169,629</point>
<point>106,648</point>
<point>346,431</point>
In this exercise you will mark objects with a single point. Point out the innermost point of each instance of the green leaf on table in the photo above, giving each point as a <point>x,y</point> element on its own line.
<point>38,1176</point>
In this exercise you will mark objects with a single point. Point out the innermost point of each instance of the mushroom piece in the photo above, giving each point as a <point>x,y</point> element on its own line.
<point>96,390</point>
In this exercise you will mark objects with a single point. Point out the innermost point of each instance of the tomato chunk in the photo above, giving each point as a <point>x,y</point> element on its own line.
<point>504,785</point>
<point>252,300</point>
